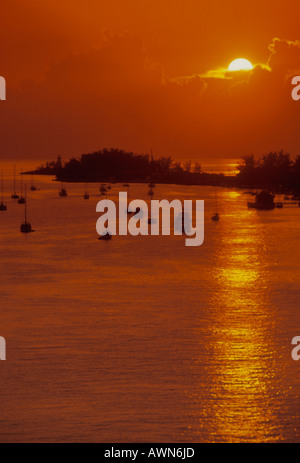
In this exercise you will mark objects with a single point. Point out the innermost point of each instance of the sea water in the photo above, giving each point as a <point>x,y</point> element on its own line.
<point>141,339</point>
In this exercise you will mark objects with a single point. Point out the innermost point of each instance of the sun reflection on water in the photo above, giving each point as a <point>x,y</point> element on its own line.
<point>244,363</point>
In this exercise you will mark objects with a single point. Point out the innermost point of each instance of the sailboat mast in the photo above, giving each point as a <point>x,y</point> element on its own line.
<point>25,204</point>
<point>14,179</point>
<point>2,184</point>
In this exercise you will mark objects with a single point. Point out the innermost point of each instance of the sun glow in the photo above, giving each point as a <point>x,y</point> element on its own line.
<point>240,64</point>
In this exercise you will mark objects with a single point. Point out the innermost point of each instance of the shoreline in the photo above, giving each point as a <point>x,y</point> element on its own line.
<point>230,185</point>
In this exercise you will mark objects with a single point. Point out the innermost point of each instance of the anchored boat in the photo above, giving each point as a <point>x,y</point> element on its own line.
<point>26,226</point>
<point>3,207</point>
<point>264,201</point>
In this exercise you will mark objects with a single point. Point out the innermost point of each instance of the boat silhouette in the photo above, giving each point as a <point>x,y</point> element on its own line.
<point>216,217</point>
<point>22,199</point>
<point>105,237</point>
<point>264,201</point>
<point>63,192</point>
<point>3,207</point>
<point>14,195</point>
<point>26,226</point>
<point>86,194</point>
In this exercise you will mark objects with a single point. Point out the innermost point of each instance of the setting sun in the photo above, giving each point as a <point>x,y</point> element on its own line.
<point>240,64</point>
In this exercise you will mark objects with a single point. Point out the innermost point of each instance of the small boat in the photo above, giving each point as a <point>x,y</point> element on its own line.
<point>126,185</point>
<point>216,216</point>
<point>86,194</point>
<point>3,207</point>
<point>279,205</point>
<point>264,201</point>
<point>14,195</point>
<point>22,199</point>
<point>62,192</point>
<point>105,237</point>
<point>26,226</point>
<point>150,192</point>
<point>33,187</point>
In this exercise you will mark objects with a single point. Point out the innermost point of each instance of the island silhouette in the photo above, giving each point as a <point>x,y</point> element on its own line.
<point>275,171</point>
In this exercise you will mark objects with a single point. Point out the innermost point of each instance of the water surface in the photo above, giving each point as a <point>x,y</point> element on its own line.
<point>143,339</point>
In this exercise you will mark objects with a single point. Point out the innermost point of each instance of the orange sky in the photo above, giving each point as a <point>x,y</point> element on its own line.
<point>87,75</point>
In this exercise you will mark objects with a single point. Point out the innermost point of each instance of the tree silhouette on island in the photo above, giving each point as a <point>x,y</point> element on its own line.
<point>276,172</point>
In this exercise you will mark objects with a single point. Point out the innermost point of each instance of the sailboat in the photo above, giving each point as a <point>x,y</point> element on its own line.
<point>33,187</point>
<point>26,226</point>
<point>22,199</point>
<point>63,192</point>
<point>86,194</point>
<point>128,211</point>
<point>151,184</point>
<point>2,205</point>
<point>14,195</point>
<point>105,237</point>
<point>216,216</point>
